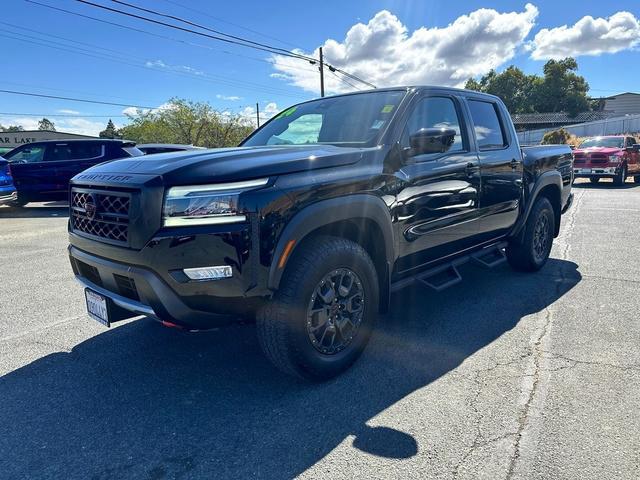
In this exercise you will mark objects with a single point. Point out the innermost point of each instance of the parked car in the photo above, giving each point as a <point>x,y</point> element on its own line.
<point>324,211</point>
<point>42,170</point>
<point>613,156</point>
<point>8,193</point>
<point>150,148</point>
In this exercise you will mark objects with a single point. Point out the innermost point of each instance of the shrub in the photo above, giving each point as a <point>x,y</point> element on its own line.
<point>560,136</point>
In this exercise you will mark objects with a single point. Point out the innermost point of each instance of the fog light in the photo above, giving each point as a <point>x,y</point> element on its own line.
<point>208,273</point>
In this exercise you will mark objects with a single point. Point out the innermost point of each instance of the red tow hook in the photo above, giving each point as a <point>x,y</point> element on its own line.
<point>171,325</point>
<point>179,327</point>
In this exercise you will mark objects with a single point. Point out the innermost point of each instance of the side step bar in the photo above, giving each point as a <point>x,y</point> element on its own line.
<point>447,275</point>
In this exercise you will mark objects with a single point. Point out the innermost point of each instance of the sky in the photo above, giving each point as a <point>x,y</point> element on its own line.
<point>385,42</point>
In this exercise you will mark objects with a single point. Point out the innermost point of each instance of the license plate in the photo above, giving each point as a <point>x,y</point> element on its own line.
<point>585,170</point>
<point>97,307</point>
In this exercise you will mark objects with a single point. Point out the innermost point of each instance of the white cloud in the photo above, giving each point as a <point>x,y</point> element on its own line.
<point>159,64</point>
<point>28,123</point>
<point>588,36</point>
<point>135,111</point>
<point>81,126</point>
<point>68,111</point>
<point>385,53</point>
<point>232,98</point>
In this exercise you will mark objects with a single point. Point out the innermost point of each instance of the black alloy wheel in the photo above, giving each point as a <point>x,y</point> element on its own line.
<point>335,311</point>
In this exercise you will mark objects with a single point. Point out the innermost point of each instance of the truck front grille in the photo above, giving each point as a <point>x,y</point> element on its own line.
<point>598,158</point>
<point>101,214</point>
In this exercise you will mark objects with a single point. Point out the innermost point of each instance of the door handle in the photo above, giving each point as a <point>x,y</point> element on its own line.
<point>471,168</point>
<point>514,163</point>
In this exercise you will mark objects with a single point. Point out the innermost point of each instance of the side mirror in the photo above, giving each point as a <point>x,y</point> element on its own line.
<point>431,140</point>
<point>572,147</point>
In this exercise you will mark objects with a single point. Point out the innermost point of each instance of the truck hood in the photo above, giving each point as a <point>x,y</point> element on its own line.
<point>603,150</point>
<point>228,164</point>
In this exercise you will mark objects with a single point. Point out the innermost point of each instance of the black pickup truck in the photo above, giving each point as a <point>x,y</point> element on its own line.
<point>316,218</point>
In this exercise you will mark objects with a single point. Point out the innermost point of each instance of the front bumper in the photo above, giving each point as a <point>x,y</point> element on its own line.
<point>586,172</point>
<point>8,195</point>
<point>151,282</point>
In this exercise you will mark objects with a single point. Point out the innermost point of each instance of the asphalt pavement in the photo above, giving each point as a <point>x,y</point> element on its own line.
<point>505,375</point>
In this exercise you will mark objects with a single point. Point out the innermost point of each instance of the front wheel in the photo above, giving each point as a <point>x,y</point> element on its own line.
<point>621,176</point>
<point>21,201</point>
<point>321,318</point>
<point>531,251</point>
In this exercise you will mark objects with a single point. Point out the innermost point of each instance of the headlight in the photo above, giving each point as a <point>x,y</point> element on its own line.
<point>614,158</point>
<point>206,204</point>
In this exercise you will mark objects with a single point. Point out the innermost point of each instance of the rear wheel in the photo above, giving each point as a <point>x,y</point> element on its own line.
<point>621,176</point>
<point>594,180</point>
<point>321,318</point>
<point>531,252</point>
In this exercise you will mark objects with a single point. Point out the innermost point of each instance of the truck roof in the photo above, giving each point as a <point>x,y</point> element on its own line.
<point>413,87</point>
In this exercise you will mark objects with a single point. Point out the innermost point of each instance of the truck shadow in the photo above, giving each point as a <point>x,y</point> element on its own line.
<point>143,401</point>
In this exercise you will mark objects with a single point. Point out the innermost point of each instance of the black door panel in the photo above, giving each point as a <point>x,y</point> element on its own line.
<point>500,166</point>
<point>438,207</point>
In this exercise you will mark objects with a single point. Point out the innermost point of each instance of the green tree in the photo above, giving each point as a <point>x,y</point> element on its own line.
<point>46,124</point>
<point>11,128</point>
<point>110,132</point>
<point>560,89</point>
<point>183,121</point>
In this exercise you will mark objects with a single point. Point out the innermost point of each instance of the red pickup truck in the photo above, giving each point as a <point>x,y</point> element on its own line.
<point>615,156</point>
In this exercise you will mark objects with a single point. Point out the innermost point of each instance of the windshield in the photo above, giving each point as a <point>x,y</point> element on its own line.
<point>610,142</point>
<point>350,120</point>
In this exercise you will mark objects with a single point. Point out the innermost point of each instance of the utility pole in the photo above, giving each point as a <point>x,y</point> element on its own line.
<point>258,114</point>
<point>321,74</point>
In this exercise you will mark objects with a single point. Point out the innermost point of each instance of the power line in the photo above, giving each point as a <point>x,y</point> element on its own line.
<point>201,12</point>
<point>193,24</point>
<point>121,58</point>
<point>343,80</point>
<point>232,38</point>
<point>63,115</point>
<point>153,34</point>
<point>177,27</point>
<point>83,100</point>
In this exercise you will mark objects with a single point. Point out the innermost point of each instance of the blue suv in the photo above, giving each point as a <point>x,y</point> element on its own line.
<point>42,170</point>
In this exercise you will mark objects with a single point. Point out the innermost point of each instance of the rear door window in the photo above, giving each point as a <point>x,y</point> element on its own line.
<point>86,150</point>
<point>489,130</point>
<point>74,151</point>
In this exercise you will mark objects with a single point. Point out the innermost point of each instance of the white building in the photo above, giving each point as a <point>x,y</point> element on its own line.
<point>627,103</point>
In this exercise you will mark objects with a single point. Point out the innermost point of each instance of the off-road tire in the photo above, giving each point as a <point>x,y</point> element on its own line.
<point>594,180</point>
<point>282,323</point>
<point>621,177</point>
<point>521,254</point>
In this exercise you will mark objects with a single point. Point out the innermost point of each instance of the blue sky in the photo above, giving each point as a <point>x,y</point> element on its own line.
<point>437,42</point>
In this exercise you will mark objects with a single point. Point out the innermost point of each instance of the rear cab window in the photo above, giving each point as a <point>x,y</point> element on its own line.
<point>489,129</point>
